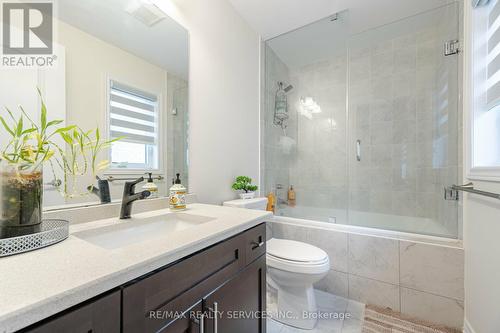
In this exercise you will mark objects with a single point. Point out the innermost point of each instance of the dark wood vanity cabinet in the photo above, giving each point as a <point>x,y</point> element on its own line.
<point>99,315</point>
<point>237,305</point>
<point>220,289</point>
<point>158,302</point>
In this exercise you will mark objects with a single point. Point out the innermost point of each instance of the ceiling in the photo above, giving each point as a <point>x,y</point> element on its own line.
<point>271,18</point>
<point>165,44</point>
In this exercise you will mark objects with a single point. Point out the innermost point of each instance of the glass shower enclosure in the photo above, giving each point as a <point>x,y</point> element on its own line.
<point>371,131</point>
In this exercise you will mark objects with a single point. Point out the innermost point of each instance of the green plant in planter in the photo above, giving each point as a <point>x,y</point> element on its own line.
<point>21,177</point>
<point>244,183</point>
<point>31,144</point>
<point>79,158</point>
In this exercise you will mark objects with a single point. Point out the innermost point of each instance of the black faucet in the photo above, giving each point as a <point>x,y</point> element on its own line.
<point>129,197</point>
<point>102,190</point>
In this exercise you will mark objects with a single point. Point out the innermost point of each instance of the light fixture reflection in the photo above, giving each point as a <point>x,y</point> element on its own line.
<point>307,107</point>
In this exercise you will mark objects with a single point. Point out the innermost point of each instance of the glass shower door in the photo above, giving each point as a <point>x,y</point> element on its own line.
<point>404,124</point>
<point>309,152</point>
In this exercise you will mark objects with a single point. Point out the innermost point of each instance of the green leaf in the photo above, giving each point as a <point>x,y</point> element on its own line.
<point>43,114</point>
<point>65,129</point>
<point>66,138</point>
<point>6,126</point>
<point>115,139</point>
<point>97,134</point>
<point>19,129</point>
<point>33,124</point>
<point>11,115</point>
<point>29,130</point>
<point>54,122</point>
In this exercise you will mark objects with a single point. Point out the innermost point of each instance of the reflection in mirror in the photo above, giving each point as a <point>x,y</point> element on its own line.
<point>120,75</point>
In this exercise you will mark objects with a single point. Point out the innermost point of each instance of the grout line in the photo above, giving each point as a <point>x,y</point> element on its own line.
<point>399,277</point>
<point>348,268</point>
<point>364,277</point>
<point>433,294</point>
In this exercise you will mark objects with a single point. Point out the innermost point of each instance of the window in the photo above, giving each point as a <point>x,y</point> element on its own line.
<point>133,116</point>
<point>485,129</point>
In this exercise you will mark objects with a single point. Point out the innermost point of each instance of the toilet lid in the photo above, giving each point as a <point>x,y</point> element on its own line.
<point>295,251</point>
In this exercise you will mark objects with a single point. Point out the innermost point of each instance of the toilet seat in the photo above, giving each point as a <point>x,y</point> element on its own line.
<point>296,257</point>
<point>298,267</point>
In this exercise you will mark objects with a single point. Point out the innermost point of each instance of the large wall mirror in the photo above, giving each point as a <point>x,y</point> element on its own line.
<point>120,77</point>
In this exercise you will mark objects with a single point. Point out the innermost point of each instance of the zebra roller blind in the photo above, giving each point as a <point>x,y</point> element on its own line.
<point>133,115</point>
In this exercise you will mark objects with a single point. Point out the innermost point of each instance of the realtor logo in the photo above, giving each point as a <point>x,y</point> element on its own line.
<point>28,30</point>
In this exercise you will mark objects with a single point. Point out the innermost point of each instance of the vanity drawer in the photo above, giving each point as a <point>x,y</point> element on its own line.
<point>177,287</point>
<point>255,243</point>
<point>97,316</point>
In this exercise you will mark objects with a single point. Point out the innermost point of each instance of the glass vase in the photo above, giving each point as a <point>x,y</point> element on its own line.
<point>21,194</point>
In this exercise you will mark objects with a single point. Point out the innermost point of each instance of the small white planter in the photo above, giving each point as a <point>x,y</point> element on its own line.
<point>249,195</point>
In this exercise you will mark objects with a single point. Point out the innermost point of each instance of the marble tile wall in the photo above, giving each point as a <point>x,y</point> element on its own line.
<point>275,160</point>
<point>418,279</point>
<point>319,171</point>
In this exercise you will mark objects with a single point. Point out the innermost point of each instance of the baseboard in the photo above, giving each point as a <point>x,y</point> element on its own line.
<point>467,327</point>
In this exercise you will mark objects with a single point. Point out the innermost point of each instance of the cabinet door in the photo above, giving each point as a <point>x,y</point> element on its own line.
<point>177,287</point>
<point>238,305</point>
<point>255,243</point>
<point>99,316</point>
<point>189,322</point>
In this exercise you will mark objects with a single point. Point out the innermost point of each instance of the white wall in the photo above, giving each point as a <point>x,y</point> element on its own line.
<point>90,63</point>
<point>481,238</point>
<point>223,96</point>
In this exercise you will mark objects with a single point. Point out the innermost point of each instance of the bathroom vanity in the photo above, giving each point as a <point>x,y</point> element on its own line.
<point>209,274</point>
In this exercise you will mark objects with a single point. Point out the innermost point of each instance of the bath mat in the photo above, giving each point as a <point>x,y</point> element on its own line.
<point>380,320</point>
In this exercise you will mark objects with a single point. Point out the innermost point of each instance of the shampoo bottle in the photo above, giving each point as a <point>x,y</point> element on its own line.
<point>271,201</point>
<point>291,197</point>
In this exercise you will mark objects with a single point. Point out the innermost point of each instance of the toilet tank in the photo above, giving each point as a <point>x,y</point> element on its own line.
<point>256,203</point>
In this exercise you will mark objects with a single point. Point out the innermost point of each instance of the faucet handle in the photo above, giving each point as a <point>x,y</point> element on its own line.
<point>130,185</point>
<point>135,182</point>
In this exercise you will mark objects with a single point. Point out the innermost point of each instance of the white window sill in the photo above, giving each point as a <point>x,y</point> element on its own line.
<point>491,174</point>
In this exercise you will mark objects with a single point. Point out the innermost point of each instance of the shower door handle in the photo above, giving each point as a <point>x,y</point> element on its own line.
<point>358,150</point>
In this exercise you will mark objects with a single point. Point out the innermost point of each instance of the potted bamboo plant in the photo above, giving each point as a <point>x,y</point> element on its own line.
<point>21,170</point>
<point>30,146</point>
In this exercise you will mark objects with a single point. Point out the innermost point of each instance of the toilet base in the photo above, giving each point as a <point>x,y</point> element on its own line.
<point>297,307</point>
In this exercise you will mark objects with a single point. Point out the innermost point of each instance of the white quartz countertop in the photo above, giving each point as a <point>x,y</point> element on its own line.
<point>39,284</point>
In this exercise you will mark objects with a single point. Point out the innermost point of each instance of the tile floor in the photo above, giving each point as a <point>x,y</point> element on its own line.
<point>327,303</point>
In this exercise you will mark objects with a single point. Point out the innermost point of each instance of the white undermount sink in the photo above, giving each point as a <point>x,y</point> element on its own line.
<point>138,230</point>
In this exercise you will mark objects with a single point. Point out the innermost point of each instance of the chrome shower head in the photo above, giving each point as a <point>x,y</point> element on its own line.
<point>288,88</point>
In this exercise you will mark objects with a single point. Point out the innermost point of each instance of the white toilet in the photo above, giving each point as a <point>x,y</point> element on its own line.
<point>293,268</point>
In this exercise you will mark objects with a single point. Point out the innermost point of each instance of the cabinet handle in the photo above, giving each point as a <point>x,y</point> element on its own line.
<point>200,322</point>
<point>257,245</point>
<point>215,311</point>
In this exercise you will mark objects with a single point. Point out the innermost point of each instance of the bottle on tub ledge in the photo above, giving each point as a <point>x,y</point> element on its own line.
<point>291,197</point>
<point>177,196</point>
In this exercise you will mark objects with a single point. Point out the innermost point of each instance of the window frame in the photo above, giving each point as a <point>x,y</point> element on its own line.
<point>470,103</point>
<point>160,171</point>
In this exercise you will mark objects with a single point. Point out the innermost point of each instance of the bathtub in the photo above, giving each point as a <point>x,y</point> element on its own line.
<point>376,224</point>
<point>419,275</point>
